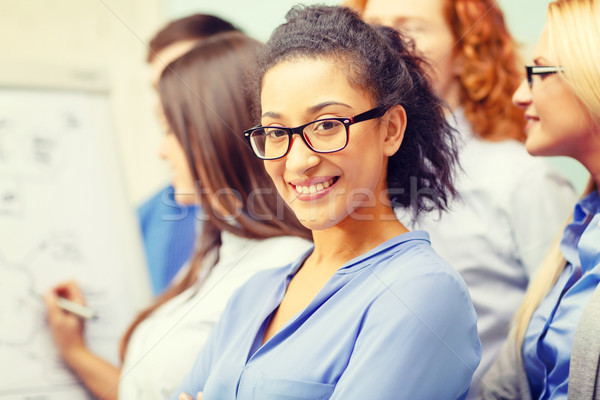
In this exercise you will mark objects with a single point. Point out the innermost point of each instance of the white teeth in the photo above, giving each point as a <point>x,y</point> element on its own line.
<point>314,188</point>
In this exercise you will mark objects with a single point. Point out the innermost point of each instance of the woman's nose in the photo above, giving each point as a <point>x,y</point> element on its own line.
<point>300,157</point>
<point>522,96</point>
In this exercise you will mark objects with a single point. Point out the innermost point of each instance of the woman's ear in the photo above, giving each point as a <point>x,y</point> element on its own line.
<point>395,120</point>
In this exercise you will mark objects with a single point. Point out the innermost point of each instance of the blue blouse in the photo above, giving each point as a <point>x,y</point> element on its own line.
<point>549,337</point>
<point>394,323</point>
<point>169,233</point>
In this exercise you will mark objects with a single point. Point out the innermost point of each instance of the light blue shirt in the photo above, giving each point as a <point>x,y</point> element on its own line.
<point>394,323</point>
<point>549,338</point>
<point>169,233</point>
<point>492,235</point>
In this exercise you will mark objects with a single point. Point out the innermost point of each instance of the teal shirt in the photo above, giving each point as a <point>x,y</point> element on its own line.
<point>169,233</point>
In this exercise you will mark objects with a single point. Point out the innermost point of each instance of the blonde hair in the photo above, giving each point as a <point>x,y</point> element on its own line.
<point>552,266</point>
<point>574,37</point>
<point>574,32</point>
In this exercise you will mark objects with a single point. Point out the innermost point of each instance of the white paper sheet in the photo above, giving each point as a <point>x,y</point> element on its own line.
<point>63,215</point>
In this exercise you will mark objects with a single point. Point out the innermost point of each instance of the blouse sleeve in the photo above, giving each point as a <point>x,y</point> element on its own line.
<point>418,340</point>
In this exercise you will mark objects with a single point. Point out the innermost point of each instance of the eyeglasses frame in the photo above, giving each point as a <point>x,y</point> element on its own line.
<point>373,113</point>
<point>532,70</point>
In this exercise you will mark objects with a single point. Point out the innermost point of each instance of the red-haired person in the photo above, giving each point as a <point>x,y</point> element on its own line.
<point>512,204</point>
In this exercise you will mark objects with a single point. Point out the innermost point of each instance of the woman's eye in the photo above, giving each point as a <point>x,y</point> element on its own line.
<point>326,125</point>
<point>275,133</point>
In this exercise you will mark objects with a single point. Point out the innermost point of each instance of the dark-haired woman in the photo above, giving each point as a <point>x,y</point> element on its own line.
<point>246,228</point>
<point>348,128</point>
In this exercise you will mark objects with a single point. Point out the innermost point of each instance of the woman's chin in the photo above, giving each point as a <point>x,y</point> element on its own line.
<point>316,222</point>
<point>185,199</point>
<point>536,149</point>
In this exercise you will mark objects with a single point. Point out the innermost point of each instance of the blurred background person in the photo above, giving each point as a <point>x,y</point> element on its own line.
<point>512,203</point>
<point>247,227</point>
<point>168,220</point>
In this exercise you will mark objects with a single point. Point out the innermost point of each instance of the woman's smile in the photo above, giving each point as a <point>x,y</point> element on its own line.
<point>313,188</point>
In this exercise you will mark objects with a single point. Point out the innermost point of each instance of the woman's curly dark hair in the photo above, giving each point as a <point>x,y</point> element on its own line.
<point>379,60</point>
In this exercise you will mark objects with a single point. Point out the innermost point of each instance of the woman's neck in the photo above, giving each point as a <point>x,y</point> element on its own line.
<point>589,156</point>
<point>592,165</point>
<point>354,236</point>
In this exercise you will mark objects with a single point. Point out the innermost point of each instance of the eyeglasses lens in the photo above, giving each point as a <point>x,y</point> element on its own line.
<point>321,136</point>
<point>327,135</point>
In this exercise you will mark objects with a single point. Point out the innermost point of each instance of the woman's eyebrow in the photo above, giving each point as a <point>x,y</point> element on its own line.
<point>540,61</point>
<point>311,110</point>
<point>270,114</point>
<point>320,106</point>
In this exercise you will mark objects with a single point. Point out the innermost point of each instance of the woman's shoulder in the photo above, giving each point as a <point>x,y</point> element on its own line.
<point>263,253</point>
<point>506,157</point>
<point>415,284</point>
<point>502,168</point>
<point>411,259</point>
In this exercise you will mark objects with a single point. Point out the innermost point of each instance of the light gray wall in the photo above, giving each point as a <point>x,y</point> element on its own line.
<point>256,18</point>
<point>106,36</point>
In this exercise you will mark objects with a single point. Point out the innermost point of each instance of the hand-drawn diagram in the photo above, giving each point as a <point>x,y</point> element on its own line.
<point>60,202</point>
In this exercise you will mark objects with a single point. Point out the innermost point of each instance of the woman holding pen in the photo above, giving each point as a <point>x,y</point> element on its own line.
<point>247,227</point>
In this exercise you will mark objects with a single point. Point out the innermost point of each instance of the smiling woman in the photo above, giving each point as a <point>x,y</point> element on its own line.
<point>348,129</point>
<point>321,91</point>
<point>558,123</point>
<point>553,349</point>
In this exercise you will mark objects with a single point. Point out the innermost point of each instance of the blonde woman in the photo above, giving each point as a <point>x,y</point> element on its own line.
<point>553,350</point>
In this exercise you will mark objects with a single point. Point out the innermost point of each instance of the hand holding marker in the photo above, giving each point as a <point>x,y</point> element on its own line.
<point>68,297</point>
<point>77,309</point>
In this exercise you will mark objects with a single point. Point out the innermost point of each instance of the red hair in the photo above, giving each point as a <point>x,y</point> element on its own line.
<point>489,76</point>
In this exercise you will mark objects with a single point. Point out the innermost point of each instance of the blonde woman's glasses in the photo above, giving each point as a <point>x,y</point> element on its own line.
<point>542,70</point>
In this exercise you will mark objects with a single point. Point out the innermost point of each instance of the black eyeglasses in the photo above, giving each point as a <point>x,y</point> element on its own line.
<point>540,70</point>
<point>321,136</point>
